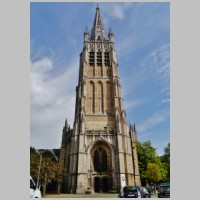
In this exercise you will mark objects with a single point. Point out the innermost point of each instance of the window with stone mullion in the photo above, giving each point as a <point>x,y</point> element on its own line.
<point>106,59</point>
<point>99,59</point>
<point>100,97</point>
<point>104,162</point>
<point>91,58</point>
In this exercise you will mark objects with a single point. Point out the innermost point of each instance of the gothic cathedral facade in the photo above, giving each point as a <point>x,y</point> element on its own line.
<point>99,152</point>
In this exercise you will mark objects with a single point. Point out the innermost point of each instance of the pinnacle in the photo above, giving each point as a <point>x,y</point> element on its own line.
<point>98,31</point>
<point>86,30</point>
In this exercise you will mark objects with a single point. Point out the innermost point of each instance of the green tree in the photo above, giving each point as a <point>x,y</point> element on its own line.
<point>34,163</point>
<point>49,169</point>
<point>165,159</point>
<point>153,173</point>
<point>147,154</point>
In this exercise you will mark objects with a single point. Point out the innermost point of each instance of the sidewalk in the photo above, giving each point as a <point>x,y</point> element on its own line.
<point>103,195</point>
<point>97,195</point>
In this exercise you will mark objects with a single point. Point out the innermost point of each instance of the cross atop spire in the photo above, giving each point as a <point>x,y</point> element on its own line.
<point>98,31</point>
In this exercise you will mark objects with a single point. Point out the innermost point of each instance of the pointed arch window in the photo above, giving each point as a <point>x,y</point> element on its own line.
<point>91,96</point>
<point>104,162</point>
<point>68,163</point>
<point>100,97</point>
<point>96,161</point>
<point>106,59</point>
<point>99,58</point>
<point>98,37</point>
<point>91,62</point>
<point>100,160</point>
<point>109,95</point>
<point>91,57</point>
<point>107,71</point>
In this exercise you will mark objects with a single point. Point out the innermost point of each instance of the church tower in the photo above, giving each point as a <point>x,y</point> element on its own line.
<point>99,152</point>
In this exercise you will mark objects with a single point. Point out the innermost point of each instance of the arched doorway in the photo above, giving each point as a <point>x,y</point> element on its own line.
<point>101,167</point>
<point>105,184</point>
<point>96,184</point>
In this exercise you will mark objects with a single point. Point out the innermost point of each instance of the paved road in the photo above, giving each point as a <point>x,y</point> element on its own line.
<point>86,196</point>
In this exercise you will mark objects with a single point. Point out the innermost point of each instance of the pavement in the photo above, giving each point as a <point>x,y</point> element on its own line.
<point>96,195</point>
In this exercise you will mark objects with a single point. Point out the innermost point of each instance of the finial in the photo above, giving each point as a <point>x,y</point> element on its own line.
<point>134,128</point>
<point>66,122</point>
<point>97,6</point>
<point>86,30</point>
<point>111,35</point>
<point>110,31</point>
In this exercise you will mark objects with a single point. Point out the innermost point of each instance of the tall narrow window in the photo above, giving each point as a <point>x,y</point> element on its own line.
<point>106,59</point>
<point>68,163</point>
<point>96,161</point>
<point>92,70</point>
<point>99,70</point>
<point>109,95</point>
<point>91,62</point>
<point>104,163</point>
<point>91,96</point>
<point>100,97</point>
<point>91,58</point>
<point>108,71</point>
<point>99,61</point>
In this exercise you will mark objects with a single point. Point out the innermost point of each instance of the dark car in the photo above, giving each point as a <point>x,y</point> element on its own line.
<point>134,192</point>
<point>164,190</point>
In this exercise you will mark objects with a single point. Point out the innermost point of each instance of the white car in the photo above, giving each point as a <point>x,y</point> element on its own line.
<point>34,191</point>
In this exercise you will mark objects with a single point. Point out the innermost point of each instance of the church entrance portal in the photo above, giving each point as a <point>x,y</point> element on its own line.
<point>101,184</point>
<point>101,167</point>
<point>105,184</point>
<point>96,184</point>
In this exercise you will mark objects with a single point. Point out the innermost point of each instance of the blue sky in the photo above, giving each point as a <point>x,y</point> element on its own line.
<point>142,43</point>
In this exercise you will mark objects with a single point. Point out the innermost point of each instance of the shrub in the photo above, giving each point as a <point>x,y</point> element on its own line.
<point>88,191</point>
<point>113,189</point>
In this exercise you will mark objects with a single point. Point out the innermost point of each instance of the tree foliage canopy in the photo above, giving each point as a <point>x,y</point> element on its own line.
<point>151,166</point>
<point>153,172</point>
<point>34,163</point>
<point>165,159</point>
<point>48,164</point>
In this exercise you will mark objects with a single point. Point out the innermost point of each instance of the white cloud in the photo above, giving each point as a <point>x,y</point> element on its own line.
<point>158,61</point>
<point>157,65</point>
<point>154,120</point>
<point>115,11</point>
<point>52,100</point>
<point>165,101</point>
<point>118,11</point>
<point>146,135</point>
<point>132,103</point>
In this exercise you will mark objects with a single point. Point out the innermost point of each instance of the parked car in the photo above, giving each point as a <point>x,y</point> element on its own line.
<point>134,192</point>
<point>34,191</point>
<point>164,190</point>
<point>145,193</point>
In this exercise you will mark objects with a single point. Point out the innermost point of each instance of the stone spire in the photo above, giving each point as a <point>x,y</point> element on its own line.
<point>111,35</point>
<point>86,30</point>
<point>86,34</point>
<point>98,31</point>
<point>110,32</point>
<point>134,128</point>
<point>66,123</point>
